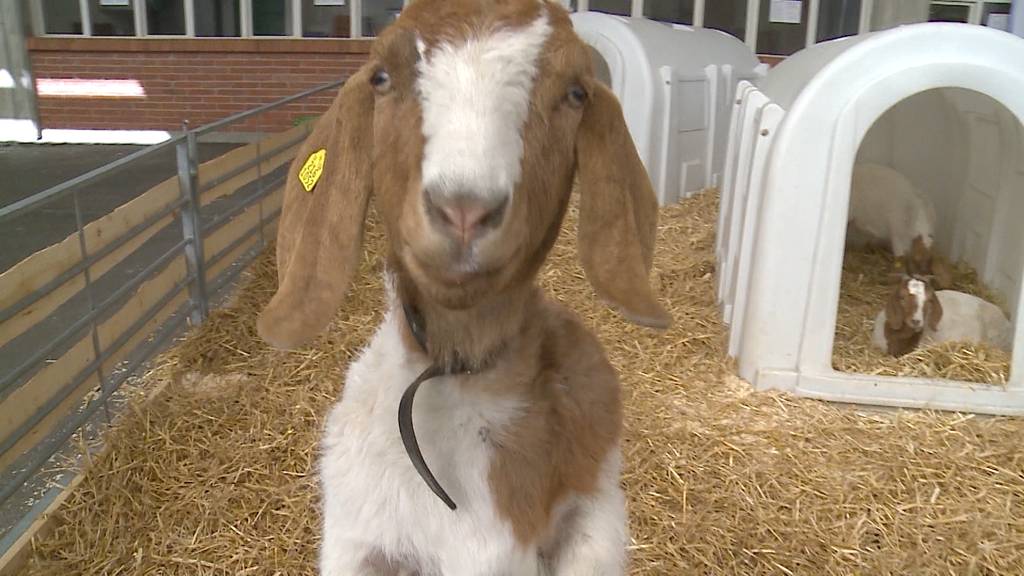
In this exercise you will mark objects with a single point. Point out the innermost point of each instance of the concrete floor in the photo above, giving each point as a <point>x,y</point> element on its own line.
<point>26,169</point>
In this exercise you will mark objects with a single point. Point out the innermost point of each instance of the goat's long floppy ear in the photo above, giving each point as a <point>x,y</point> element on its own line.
<point>618,212</point>
<point>932,310</point>
<point>321,230</point>
<point>894,315</point>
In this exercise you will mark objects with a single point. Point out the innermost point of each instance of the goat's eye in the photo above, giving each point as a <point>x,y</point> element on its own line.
<point>577,96</point>
<point>380,80</point>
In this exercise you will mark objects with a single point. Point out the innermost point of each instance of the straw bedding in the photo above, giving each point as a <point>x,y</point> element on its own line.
<point>863,291</point>
<point>215,474</point>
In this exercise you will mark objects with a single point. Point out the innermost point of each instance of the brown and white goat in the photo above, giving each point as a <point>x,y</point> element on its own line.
<point>916,314</point>
<point>912,306</point>
<point>466,128</point>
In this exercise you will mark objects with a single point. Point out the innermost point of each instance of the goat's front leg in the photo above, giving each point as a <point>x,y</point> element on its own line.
<point>595,541</point>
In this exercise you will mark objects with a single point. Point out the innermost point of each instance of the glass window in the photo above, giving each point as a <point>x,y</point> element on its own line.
<point>782,27</point>
<point>949,13</point>
<point>838,18</point>
<point>326,19</point>
<point>727,15</point>
<point>886,15</point>
<point>377,14</point>
<point>62,17</point>
<point>620,7</point>
<point>272,17</point>
<point>165,17</point>
<point>112,17</point>
<point>996,16</point>
<point>677,11</point>
<point>218,18</point>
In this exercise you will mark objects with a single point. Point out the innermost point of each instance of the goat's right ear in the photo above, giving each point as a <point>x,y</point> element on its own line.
<point>894,315</point>
<point>321,230</point>
<point>618,211</point>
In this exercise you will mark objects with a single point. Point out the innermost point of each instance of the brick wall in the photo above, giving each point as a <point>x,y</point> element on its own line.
<point>199,80</point>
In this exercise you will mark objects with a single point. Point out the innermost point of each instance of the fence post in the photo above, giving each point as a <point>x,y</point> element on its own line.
<point>192,225</point>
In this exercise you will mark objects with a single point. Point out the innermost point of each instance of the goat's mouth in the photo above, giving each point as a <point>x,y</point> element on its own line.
<point>453,282</point>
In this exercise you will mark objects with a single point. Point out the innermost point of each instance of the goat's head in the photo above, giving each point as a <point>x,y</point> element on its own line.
<point>912,305</point>
<point>467,127</point>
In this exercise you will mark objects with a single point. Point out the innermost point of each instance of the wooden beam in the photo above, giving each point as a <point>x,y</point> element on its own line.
<point>232,184</point>
<point>23,402</point>
<point>146,296</point>
<point>17,556</point>
<point>216,167</point>
<point>46,265</point>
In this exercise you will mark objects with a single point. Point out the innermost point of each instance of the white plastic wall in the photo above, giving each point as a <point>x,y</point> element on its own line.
<point>942,103</point>
<point>676,85</point>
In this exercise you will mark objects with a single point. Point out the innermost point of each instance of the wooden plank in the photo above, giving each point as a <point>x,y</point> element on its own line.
<point>23,402</point>
<point>216,167</point>
<point>246,222</point>
<point>230,231</point>
<point>232,184</point>
<point>44,266</point>
<point>272,201</point>
<point>145,332</point>
<point>226,162</point>
<point>223,264</point>
<point>36,270</point>
<point>40,309</point>
<point>121,252</point>
<point>103,231</point>
<point>47,424</point>
<point>147,295</point>
<point>17,556</point>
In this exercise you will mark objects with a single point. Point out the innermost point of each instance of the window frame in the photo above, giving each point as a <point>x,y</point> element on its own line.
<point>356,18</point>
<point>38,21</point>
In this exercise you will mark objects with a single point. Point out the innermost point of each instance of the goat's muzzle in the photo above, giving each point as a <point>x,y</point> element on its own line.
<point>464,218</point>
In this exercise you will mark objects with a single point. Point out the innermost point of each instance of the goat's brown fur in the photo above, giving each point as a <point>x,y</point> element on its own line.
<point>922,261</point>
<point>900,337</point>
<point>496,318</point>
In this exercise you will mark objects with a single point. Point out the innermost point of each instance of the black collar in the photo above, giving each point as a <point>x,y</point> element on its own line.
<point>405,428</point>
<point>417,326</point>
<point>415,321</point>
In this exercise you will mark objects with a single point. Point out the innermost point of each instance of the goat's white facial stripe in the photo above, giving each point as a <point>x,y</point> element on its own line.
<point>475,97</point>
<point>917,290</point>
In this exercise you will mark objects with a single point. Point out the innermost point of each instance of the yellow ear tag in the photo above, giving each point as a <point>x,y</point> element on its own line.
<point>311,171</point>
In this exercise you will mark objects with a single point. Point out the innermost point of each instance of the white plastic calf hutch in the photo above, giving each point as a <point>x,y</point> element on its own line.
<point>676,86</point>
<point>943,104</point>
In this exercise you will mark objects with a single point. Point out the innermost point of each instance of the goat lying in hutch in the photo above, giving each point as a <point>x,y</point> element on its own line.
<point>467,128</point>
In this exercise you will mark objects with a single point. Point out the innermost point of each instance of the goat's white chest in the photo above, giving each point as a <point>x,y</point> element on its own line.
<point>371,490</point>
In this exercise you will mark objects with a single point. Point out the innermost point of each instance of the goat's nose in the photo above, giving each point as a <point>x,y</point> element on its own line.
<point>466,217</point>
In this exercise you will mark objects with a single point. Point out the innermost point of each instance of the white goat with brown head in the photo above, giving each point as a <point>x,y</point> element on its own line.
<point>887,209</point>
<point>467,128</point>
<point>916,314</point>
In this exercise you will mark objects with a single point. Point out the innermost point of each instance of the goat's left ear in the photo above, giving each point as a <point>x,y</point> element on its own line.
<point>618,211</point>
<point>321,228</point>
<point>933,310</point>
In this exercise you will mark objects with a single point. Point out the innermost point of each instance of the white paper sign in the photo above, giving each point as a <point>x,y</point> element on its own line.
<point>785,11</point>
<point>999,21</point>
